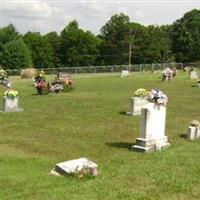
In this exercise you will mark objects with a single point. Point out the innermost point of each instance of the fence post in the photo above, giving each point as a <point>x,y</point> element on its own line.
<point>152,68</point>
<point>181,66</point>
<point>112,69</point>
<point>140,68</point>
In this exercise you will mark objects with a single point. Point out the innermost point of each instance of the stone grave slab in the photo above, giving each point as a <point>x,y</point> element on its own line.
<point>76,166</point>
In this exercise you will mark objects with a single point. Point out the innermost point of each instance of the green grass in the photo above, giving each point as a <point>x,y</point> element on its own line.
<point>89,122</point>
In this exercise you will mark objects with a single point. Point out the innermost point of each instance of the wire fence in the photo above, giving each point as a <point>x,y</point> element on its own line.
<point>108,68</point>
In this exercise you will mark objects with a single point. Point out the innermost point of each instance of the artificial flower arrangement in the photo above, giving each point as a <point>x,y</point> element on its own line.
<point>85,172</point>
<point>158,97</point>
<point>195,123</point>
<point>3,74</point>
<point>141,92</point>
<point>11,93</point>
<point>41,86</point>
<point>40,75</point>
<point>69,83</point>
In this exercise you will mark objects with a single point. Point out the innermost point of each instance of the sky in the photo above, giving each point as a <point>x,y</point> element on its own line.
<point>53,15</point>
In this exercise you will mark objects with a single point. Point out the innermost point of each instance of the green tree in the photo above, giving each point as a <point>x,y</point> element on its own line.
<point>116,37</point>
<point>77,47</point>
<point>150,44</point>
<point>156,45</point>
<point>186,37</point>
<point>41,50</point>
<point>7,34</point>
<point>53,40</point>
<point>16,55</point>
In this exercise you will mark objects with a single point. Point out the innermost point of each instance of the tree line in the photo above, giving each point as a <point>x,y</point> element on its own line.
<point>120,42</point>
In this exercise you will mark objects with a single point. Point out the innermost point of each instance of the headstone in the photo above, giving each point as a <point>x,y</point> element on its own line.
<point>193,132</point>
<point>193,75</point>
<point>63,76</point>
<point>124,73</point>
<point>11,104</point>
<point>136,105</point>
<point>77,166</point>
<point>152,134</point>
<point>167,74</point>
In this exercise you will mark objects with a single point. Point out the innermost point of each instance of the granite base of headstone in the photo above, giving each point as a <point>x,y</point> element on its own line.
<point>136,105</point>
<point>152,134</point>
<point>193,132</point>
<point>11,105</point>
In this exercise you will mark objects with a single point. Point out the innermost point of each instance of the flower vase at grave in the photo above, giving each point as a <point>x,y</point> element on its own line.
<point>152,134</point>
<point>136,105</point>
<point>10,104</point>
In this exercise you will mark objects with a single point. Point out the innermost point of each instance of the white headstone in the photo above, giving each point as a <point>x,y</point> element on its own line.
<point>136,105</point>
<point>152,134</point>
<point>11,104</point>
<point>193,75</point>
<point>124,73</point>
<point>167,74</point>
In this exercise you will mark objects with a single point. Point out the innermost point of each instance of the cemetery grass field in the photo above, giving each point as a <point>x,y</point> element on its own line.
<point>90,122</point>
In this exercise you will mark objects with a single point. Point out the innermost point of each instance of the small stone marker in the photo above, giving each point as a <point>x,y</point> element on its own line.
<point>81,166</point>
<point>11,104</point>
<point>193,130</point>
<point>152,134</point>
<point>193,133</point>
<point>136,105</point>
<point>124,73</point>
<point>193,75</point>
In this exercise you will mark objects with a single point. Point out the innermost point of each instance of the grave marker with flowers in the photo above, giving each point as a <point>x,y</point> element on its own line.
<point>138,101</point>
<point>193,130</point>
<point>3,79</point>
<point>11,101</point>
<point>152,133</point>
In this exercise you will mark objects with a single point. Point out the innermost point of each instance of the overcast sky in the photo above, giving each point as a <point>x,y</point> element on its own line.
<point>51,15</point>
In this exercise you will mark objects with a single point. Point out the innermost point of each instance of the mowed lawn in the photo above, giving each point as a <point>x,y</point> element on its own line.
<point>90,122</point>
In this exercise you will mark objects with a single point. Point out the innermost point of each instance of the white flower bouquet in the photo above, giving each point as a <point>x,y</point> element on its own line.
<point>158,97</point>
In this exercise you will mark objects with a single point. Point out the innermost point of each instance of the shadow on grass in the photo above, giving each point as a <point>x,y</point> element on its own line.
<point>122,113</point>
<point>121,145</point>
<point>183,135</point>
<point>194,86</point>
